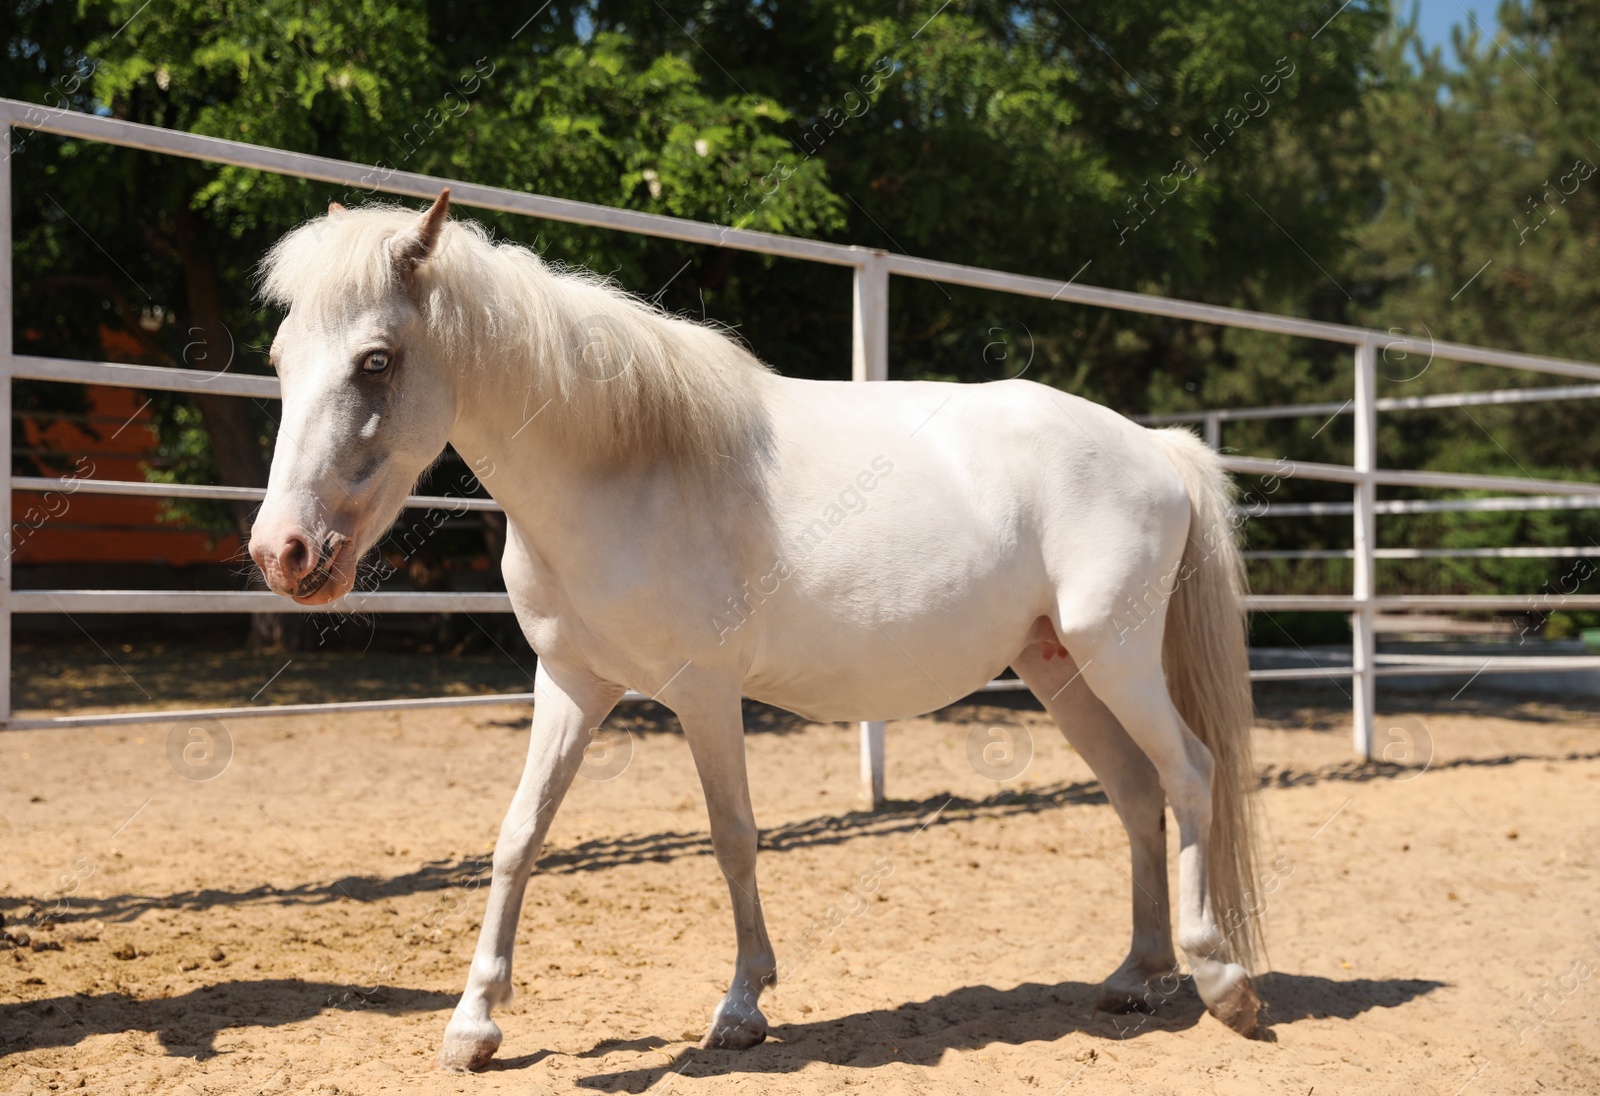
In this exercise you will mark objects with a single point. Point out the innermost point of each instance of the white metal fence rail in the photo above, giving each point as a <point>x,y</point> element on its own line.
<point>869,362</point>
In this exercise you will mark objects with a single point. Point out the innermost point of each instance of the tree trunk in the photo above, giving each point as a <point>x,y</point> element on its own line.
<point>234,444</point>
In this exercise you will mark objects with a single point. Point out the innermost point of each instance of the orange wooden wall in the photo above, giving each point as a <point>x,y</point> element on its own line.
<point>87,528</point>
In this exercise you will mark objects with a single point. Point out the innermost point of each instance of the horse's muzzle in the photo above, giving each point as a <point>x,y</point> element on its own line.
<point>318,578</point>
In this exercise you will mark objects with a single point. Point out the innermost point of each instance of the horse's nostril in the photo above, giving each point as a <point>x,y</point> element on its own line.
<point>295,558</point>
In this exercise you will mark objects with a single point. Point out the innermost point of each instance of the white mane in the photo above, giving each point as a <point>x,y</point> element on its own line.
<point>630,379</point>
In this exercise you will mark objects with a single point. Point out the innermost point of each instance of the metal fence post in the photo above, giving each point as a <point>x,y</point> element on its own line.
<point>6,350</point>
<point>1213,430</point>
<point>1363,622</point>
<point>869,361</point>
<point>869,319</point>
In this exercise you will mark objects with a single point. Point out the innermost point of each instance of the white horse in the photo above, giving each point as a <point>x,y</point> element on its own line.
<point>686,523</point>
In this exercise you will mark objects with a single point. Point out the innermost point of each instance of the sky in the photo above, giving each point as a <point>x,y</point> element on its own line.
<point>1438,16</point>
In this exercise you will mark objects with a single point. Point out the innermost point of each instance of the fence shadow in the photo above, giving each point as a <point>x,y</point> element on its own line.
<point>973,1017</point>
<point>1361,772</point>
<point>902,816</point>
<point>1286,706</point>
<point>187,1025</point>
<point>897,817</point>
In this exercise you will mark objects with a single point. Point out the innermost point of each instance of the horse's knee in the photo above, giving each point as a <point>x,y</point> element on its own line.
<point>734,844</point>
<point>517,845</point>
<point>512,862</point>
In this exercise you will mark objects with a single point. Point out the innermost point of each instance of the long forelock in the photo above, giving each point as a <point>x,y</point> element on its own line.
<point>633,380</point>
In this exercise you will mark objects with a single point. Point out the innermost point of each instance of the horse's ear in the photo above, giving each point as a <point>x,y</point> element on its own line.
<point>410,247</point>
<point>335,207</point>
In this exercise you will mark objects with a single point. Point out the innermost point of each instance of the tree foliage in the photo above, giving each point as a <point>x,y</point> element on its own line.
<point>1305,157</point>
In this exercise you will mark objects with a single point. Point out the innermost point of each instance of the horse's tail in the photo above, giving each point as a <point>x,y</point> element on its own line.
<point>1206,658</point>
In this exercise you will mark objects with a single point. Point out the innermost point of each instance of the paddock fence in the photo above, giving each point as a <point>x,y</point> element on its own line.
<point>873,269</point>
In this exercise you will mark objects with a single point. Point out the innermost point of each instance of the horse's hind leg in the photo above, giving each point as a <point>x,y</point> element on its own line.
<point>1125,672</point>
<point>1132,786</point>
<point>562,719</point>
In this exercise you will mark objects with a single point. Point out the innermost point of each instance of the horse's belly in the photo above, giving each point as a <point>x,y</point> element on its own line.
<point>842,699</point>
<point>837,670</point>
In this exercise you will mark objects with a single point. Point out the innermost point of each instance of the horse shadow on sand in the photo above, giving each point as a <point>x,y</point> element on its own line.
<point>920,1032</point>
<point>188,1025</point>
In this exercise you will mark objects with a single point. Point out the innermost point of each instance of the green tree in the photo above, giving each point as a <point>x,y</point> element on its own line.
<point>393,85</point>
<point>1202,149</point>
<point>1489,233</point>
<point>1143,146</point>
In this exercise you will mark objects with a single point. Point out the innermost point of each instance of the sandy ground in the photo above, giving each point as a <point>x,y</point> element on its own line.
<point>302,922</point>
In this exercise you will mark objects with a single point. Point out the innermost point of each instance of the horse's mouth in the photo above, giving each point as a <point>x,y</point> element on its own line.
<point>318,578</point>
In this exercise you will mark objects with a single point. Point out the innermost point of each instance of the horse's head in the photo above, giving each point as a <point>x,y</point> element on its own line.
<point>368,401</point>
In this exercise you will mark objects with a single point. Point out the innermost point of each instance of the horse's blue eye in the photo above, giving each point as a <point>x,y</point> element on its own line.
<point>375,363</point>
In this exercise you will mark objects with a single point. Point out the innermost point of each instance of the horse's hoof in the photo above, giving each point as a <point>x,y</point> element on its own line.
<point>464,1056</point>
<point>738,1036</point>
<point>1238,1006</point>
<point>1122,997</point>
<point>1138,987</point>
<point>469,1051</point>
<point>735,1032</point>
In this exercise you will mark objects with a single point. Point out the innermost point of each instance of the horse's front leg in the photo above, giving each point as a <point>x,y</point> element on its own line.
<point>563,715</point>
<point>714,726</point>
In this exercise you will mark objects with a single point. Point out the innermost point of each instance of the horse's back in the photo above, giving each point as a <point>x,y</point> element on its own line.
<point>1007,458</point>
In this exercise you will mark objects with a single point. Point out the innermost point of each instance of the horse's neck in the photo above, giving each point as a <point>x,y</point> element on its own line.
<point>563,503</point>
<point>557,501</point>
<point>500,434</point>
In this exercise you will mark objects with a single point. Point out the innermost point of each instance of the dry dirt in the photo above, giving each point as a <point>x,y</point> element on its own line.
<point>302,922</point>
